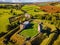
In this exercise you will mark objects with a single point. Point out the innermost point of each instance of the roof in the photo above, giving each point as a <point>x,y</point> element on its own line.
<point>26,22</point>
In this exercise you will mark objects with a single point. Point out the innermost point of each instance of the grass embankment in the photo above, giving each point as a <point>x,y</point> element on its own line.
<point>57,42</point>
<point>47,40</point>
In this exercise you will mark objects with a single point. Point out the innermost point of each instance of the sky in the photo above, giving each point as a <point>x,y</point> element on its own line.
<point>28,0</point>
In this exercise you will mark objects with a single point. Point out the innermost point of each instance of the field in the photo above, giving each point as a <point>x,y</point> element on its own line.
<point>30,32</point>
<point>13,16</point>
<point>4,21</point>
<point>4,18</point>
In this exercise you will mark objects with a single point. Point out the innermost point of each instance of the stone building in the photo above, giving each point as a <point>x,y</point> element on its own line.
<point>27,15</point>
<point>40,27</point>
<point>25,25</point>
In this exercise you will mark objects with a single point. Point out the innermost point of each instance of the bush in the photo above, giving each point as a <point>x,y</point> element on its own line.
<point>2,34</point>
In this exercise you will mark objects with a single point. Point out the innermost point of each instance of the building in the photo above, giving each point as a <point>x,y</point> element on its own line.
<point>21,26</point>
<point>27,15</point>
<point>25,25</point>
<point>40,27</point>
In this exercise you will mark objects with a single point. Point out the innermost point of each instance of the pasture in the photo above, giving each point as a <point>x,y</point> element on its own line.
<point>4,21</point>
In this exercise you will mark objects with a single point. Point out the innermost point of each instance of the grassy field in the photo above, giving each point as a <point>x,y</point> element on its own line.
<point>50,20</point>
<point>4,15</point>
<point>30,32</point>
<point>57,42</point>
<point>17,11</point>
<point>4,21</point>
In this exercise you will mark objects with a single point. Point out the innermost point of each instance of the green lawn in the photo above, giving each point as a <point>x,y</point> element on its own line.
<point>30,32</point>
<point>4,15</point>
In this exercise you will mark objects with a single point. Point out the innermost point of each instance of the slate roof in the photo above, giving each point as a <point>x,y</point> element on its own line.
<point>26,22</point>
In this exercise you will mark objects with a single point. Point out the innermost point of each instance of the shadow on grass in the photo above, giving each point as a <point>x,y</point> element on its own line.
<point>29,26</point>
<point>57,33</point>
<point>48,31</point>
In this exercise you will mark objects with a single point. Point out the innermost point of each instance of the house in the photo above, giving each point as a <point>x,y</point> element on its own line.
<point>25,25</point>
<point>27,15</point>
<point>21,26</point>
<point>40,27</point>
